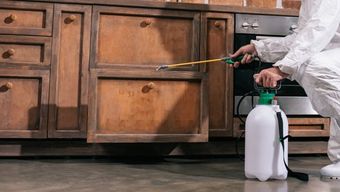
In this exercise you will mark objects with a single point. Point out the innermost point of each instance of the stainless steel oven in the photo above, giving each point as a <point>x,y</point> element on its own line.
<point>291,97</point>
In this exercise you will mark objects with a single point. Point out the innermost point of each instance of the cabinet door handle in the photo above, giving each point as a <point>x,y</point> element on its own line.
<point>148,87</point>
<point>10,19</point>
<point>151,85</point>
<point>8,53</point>
<point>146,22</point>
<point>70,19</point>
<point>9,85</point>
<point>218,24</point>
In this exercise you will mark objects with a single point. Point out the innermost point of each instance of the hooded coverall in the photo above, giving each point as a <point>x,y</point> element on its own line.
<point>311,56</point>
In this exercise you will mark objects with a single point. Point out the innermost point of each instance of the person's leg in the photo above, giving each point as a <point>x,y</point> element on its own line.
<point>334,141</point>
<point>320,77</point>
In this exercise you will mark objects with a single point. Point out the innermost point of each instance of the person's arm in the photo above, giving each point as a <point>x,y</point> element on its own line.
<point>272,50</point>
<point>318,31</point>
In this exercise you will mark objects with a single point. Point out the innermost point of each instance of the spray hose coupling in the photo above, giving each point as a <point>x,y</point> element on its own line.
<point>231,61</point>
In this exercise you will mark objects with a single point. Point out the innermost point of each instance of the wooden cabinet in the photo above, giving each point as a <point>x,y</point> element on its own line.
<point>219,30</point>
<point>26,18</point>
<point>88,71</point>
<point>147,107</point>
<point>23,103</point>
<point>69,78</point>
<point>143,38</point>
<point>25,57</point>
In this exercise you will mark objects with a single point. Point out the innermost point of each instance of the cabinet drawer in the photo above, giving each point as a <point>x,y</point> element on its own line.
<point>23,102</point>
<point>127,109</point>
<point>144,37</point>
<point>298,127</point>
<point>26,18</point>
<point>23,50</point>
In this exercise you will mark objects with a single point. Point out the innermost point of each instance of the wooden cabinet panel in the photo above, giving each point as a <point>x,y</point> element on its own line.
<point>262,3</point>
<point>298,127</point>
<point>25,50</point>
<point>26,18</point>
<point>309,127</point>
<point>194,1</point>
<point>227,2</point>
<point>148,108</point>
<point>68,112</point>
<point>144,37</point>
<point>23,103</point>
<point>292,4</point>
<point>219,43</point>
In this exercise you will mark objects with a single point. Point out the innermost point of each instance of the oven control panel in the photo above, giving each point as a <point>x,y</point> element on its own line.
<point>265,24</point>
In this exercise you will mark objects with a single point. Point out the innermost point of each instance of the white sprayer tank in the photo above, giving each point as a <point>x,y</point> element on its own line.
<point>263,150</point>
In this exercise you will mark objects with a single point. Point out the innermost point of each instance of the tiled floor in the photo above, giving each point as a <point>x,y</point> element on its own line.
<point>168,174</point>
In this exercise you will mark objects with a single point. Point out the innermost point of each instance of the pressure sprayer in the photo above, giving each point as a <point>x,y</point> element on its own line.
<point>266,145</point>
<point>266,133</point>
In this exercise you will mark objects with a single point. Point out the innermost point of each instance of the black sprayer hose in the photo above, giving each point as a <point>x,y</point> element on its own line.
<point>239,104</point>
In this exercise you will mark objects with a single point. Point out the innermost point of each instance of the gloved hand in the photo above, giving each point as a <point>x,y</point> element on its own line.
<point>248,51</point>
<point>269,77</point>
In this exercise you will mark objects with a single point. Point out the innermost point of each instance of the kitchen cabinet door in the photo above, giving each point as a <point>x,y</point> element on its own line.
<point>68,98</point>
<point>134,107</point>
<point>219,29</point>
<point>23,103</point>
<point>143,38</point>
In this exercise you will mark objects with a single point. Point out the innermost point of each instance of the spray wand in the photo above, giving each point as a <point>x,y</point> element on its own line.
<point>227,60</point>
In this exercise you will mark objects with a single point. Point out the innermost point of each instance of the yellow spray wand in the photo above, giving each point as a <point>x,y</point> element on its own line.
<point>227,60</point>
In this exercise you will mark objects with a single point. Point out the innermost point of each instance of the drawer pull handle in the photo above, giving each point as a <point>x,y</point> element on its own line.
<point>8,53</point>
<point>7,86</point>
<point>218,24</point>
<point>70,19</point>
<point>10,19</point>
<point>151,85</point>
<point>146,22</point>
<point>148,87</point>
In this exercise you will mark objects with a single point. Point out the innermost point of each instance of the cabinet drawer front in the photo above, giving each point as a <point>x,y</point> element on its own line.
<point>26,18</point>
<point>23,102</point>
<point>24,50</point>
<point>146,37</point>
<point>148,110</point>
<point>298,127</point>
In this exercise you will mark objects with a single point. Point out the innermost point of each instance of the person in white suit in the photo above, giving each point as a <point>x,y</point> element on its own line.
<point>311,56</point>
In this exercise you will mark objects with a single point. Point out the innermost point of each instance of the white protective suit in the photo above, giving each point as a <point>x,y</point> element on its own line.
<point>311,56</point>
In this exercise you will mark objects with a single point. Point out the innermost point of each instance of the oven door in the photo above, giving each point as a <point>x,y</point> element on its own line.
<point>291,97</point>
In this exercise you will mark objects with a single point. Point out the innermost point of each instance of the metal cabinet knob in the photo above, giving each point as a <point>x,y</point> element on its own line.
<point>245,25</point>
<point>255,25</point>
<point>70,19</point>
<point>293,27</point>
<point>8,53</point>
<point>10,19</point>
